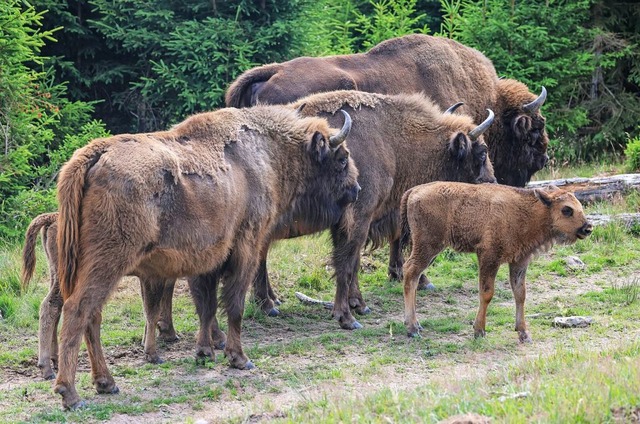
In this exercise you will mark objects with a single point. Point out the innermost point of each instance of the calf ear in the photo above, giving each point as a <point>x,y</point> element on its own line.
<point>543,197</point>
<point>318,147</point>
<point>459,146</point>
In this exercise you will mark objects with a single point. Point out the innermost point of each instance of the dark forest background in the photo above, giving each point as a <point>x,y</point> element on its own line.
<point>71,71</point>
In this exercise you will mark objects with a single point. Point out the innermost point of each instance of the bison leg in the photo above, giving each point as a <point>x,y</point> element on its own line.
<point>396,263</point>
<point>241,271</point>
<point>100,376</point>
<point>517,272</point>
<point>487,278</point>
<point>50,310</point>
<point>204,290</point>
<point>165,325</point>
<point>419,260</point>
<point>262,291</point>
<point>346,260</point>
<point>153,291</point>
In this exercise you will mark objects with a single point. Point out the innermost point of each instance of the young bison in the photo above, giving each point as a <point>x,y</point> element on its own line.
<point>500,224</point>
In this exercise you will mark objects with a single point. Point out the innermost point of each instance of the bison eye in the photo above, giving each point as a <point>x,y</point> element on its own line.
<point>483,157</point>
<point>567,211</point>
<point>343,162</point>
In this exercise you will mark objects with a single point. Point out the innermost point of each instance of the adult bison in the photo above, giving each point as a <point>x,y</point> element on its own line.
<point>500,224</point>
<point>198,199</point>
<point>156,295</point>
<point>445,70</point>
<point>397,142</point>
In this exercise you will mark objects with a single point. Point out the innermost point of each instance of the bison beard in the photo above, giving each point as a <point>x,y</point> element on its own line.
<point>445,70</point>
<point>195,200</point>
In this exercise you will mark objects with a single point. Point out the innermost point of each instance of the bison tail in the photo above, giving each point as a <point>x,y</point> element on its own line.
<point>240,93</point>
<point>71,184</point>
<point>29,251</point>
<point>405,235</point>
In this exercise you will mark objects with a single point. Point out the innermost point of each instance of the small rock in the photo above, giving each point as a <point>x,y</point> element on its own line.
<point>467,419</point>
<point>520,395</point>
<point>572,322</point>
<point>574,263</point>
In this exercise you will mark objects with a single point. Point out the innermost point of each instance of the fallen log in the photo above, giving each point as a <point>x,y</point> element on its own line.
<point>628,219</point>
<point>589,190</point>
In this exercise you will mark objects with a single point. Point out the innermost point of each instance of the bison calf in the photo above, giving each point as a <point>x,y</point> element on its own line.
<point>500,224</point>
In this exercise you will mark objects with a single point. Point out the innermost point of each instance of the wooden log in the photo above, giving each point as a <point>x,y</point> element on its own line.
<point>589,190</point>
<point>628,219</point>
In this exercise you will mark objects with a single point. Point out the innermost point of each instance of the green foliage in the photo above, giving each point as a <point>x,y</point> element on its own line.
<point>585,52</point>
<point>632,154</point>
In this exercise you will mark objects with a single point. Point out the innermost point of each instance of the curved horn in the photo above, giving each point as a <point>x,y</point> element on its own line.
<point>453,108</point>
<point>299,108</point>
<point>535,105</point>
<point>336,140</point>
<point>477,131</point>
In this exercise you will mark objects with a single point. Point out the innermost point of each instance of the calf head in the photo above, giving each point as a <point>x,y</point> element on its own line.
<point>519,147</point>
<point>332,182</point>
<point>568,221</point>
<point>469,159</point>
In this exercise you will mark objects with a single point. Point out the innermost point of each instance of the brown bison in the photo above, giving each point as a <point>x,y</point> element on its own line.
<point>443,69</point>
<point>157,298</point>
<point>397,142</point>
<point>197,199</point>
<point>500,224</point>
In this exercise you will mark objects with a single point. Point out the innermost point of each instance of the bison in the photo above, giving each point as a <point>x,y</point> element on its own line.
<point>500,224</point>
<point>156,296</point>
<point>397,142</point>
<point>198,199</point>
<point>443,69</point>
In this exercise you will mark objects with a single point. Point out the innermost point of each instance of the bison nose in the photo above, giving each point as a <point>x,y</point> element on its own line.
<point>355,190</point>
<point>586,229</point>
<point>488,180</point>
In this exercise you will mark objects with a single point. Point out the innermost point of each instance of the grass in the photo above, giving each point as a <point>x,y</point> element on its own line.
<point>308,370</point>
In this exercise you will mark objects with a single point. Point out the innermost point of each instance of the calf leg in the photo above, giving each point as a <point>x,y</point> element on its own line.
<point>165,325</point>
<point>517,272</point>
<point>396,263</point>
<point>419,260</point>
<point>487,278</point>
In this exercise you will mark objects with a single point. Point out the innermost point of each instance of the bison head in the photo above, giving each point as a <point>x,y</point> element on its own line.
<point>469,160</point>
<point>332,183</point>
<point>568,222</point>
<point>519,144</point>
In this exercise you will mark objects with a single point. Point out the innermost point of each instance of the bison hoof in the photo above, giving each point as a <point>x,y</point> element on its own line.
<point>277,302</point>
<point>48,374</point>
<point>219,345</point>
<point>169,338</point>
<point>425,284</point>
<point>362,310</point>
<point>105,386</point>
<point>153,359</point>
<point>355,325</point>
<point>413,334</point>
<point>524,337</point>
<point>395,274</point>
<point>274,312</point>
<point>249,366</point>
<point>81,404</point>
<point>479,334</point>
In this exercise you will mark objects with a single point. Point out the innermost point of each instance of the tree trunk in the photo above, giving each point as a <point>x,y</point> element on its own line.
<point>589,190</point>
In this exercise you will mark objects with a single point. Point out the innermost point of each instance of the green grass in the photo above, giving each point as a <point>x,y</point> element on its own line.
<point>309,370</point>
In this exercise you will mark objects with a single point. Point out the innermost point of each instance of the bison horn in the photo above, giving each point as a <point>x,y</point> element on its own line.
<point>299,108</point>
<point>477,131</point>
<point>336,140</point>
<point>453,108</point>
<point>535,105</point>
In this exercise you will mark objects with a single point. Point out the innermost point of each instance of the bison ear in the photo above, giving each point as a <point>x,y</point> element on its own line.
<point>318,147</point>
<point>522,126</point>
<point>459,146</point>
<point>543,196</point>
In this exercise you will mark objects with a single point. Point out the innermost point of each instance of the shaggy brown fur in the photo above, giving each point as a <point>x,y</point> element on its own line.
<point>156,299</point>
<point>196,200</point>
<point>397,142</point>
<point>445,70</point>
<point>500,224</point>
